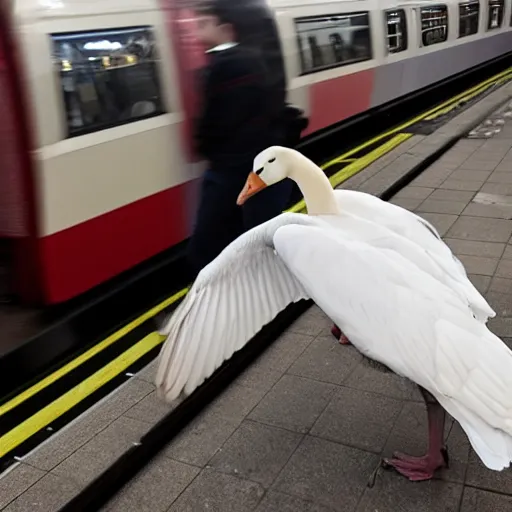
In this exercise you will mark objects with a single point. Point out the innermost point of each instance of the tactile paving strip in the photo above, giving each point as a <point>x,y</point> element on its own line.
<point>493,124</point>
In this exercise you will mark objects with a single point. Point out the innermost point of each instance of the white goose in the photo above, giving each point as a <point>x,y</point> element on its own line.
<point>393,300</point>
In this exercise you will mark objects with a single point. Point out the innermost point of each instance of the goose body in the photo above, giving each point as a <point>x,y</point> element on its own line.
<point>399,303</point>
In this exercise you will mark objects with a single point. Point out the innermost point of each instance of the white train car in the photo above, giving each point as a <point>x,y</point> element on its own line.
<point>97,170</point>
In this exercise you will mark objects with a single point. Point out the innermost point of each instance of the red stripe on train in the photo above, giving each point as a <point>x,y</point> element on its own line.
<point>81,257</point>
<point>334,100</point>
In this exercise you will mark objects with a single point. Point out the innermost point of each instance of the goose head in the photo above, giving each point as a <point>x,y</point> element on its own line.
<point>277,163</point>
<point>271,166</point>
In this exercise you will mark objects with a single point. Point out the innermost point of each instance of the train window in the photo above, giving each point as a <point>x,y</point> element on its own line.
<point>496,11</point>
<point>468,18</point>
<point>330,41</point>
<point>397,31</point>
<point>434,24</point>
<point>108,77</point>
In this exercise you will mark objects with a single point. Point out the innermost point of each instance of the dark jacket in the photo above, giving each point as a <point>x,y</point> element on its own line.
<point>240,114</point>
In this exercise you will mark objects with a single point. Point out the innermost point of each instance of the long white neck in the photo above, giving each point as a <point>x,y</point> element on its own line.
<point>314,185</point>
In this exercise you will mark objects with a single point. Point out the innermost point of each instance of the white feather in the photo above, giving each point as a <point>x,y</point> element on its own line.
<point>233,297</point>
<point>421,232</point>
<point>399,315</point>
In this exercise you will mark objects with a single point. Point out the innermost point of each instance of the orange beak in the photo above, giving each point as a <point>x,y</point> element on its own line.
<point>252,186</point>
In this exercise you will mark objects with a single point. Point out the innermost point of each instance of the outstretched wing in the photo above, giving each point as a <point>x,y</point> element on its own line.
<point>236,295</point>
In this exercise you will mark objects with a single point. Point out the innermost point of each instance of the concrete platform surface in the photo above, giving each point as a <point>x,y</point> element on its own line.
<point>304,428</point>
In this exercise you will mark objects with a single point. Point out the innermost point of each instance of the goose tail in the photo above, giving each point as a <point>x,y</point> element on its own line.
<point>492,445</point>
<point>474,383</point>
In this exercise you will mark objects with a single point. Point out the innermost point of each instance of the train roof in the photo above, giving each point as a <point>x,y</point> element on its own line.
<point>33,9</point>
<point>37,9</point>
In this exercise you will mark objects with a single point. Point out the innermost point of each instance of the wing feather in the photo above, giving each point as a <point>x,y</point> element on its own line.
<point>419,231</point>
<point>241,291</point>
<point>397,314</point>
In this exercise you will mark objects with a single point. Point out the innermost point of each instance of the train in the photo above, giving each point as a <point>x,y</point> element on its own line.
<point>98,172</point>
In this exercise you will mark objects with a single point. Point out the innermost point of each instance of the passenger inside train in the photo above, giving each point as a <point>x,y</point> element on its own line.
<point>243,113</point>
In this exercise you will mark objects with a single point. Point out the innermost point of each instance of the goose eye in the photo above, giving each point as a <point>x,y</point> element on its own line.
<point>272,160</point>
<point>259,171</point>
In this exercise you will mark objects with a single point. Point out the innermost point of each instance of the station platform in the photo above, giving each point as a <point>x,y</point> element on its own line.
<point>305,426</point>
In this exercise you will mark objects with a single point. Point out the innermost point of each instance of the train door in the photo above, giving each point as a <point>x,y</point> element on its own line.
<point>15,229</point>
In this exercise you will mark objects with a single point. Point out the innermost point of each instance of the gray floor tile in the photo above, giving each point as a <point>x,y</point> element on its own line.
<point>452,195</point>
<point>326,360</point>
<point>479,265</point>
<point>48,495</point>
<point>236,402</point>
<point>507,254</point>
<point>501,303</point>
<point>479,476</point>
<point>256,452</point>
<point>358,418</point>
<point>201,439</point>
<point>488,210</point>
<point>410,435</point>
<point>368,378</point>
<point>218,492</point>
<point>477,500</point>
<point>465,172</point>
<point>481,229</point>
<point>285,351</point>
<point>431,180</point>
<point>481,283</point>
<point>149,372</point>
<point>294,403</point>
<point>259,377</point>
<point>504,166</point>
<point>17,481</point>
<point>471,186</point>
<point>155,488</point>
<point>478,167</point>
<point>470,248</point>
<point>77,434</point>
<point>412,192</point>
<point>504,269</point>
<point>501,285</point>
<point>101,451</point>
<point>500,177</point>
<point>279,502</point>
<point>312,323</point>
<point>407,203</point>
<point>441,221</point>
<point>439,206</point>
<point>327,473</point>
<point>502,327</point>
<point>150,409</point>
<point>504,189</point>
<point>394,493</point>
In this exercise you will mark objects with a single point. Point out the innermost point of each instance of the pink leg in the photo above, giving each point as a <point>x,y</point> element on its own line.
<point>423,468</point>
<point>336,332</point>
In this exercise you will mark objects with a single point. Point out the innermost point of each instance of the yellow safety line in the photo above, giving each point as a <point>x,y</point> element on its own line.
<point>467,98</point>
<point>57,408</point>
<point>420,117</point>
<point>50,379</point>
<point>357,166</point>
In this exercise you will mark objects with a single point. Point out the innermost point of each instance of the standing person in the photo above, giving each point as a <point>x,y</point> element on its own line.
<point>240,118</point>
